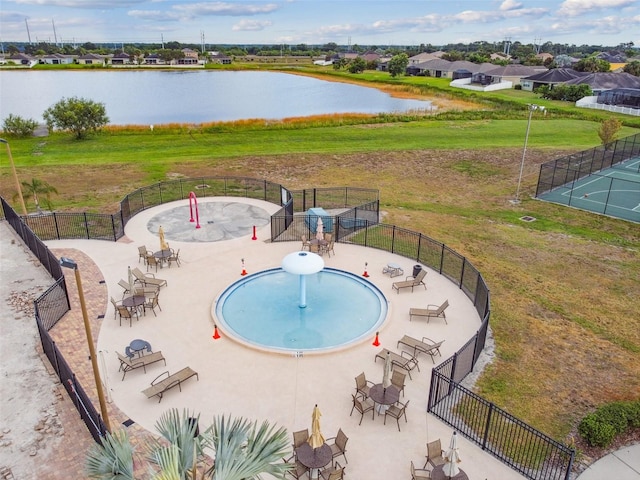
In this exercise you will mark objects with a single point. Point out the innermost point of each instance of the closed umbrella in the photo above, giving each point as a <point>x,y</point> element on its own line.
<point>320,229</point>
<point>386,376</point>
<point>316,440</point>
<point>452,458</point>
<point>163,243</point>
<point>131,280</point>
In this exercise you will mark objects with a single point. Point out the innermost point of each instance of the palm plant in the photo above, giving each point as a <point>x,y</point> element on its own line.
<point>38,187</point>
<point>243,450</point>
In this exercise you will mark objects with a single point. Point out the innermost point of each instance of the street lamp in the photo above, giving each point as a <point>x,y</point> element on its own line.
<point>68,263</point>
<point>532,108</point>
<point>15,177</point>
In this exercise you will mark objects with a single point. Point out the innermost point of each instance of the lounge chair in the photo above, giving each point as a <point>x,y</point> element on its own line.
<point>426,345</point>
<point>411,281</point>
<point>432,311</point>
<point>419,473</point>
<point>406,362</point>
<point>162,383</point>
<point>125,286</point>
<point>397,411</point>
<point>127,364</point>
<point>148,279</point>
<point>434,454</point>
<point>339,445</point>
<point>362,406</point>
<point>363,385</point>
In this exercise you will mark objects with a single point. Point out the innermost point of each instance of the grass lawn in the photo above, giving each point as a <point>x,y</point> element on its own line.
<point>565,288</point>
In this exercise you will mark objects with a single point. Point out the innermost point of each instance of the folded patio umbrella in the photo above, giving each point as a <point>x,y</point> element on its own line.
<point>131,280</point>
<point>452,458</point>
<point>386,376</point>
<point>163,243</point>
<point>320,229</point>
<point>316,440</point>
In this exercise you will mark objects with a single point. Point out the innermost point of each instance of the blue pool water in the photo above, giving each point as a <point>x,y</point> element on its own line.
<point>262,310</point>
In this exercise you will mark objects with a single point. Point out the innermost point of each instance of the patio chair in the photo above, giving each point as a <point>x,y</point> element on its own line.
<point>115,304</point>
<point>305,243</point>
<point>397,411</point>
<point>362,406</point>
<point>300,437</point>
<point>432,311</point>
<point>426,345</point>
<point>174,258</point>
<point>328,237</point>
<point>151,302</point>
<point>315,248</point>
<point>125,313</point>
<point>148,279</point>
<point>339,445</point>
<point>159,385</point>
<point>411,281</point>
<point>363,385</point>
<point>334,472</point>
<point>434,454</point>
<point>152,262</point>
<point>328,248</point>
<point>397,380</point>
<point>419,473</point>
<point>298,469</point>
<point>406,362</point>
<point>143,253</point>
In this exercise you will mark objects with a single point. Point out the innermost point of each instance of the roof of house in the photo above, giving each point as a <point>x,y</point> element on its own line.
<point>607,80</point>
<point>556,75</point>
<point>515,70</point>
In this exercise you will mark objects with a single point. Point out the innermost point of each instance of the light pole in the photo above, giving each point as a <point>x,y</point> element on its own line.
<point>68,263</point>
<point>15,176</point>
<point>532,108</point>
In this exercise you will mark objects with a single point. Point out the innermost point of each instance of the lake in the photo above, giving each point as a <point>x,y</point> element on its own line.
<point>159,97</point>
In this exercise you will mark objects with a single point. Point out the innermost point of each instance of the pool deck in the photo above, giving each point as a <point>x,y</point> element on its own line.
<point>242,381</point>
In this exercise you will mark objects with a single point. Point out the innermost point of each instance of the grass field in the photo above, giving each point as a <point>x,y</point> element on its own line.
<point>565,288</point>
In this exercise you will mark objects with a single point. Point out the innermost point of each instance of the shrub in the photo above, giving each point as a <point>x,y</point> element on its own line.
<point>18,126</point>
<point>599,428</point>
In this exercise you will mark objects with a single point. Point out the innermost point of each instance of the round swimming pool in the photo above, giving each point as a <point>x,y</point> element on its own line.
<point>262,310</point>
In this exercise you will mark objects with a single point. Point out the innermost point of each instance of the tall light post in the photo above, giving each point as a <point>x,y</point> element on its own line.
<point>68,263</point>
<point>15,177</point>
<point>532,108</point>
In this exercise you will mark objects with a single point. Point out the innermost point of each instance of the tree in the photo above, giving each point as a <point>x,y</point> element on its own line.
<point>398,64</point>
<point>38,187</point>
<point>77,115</point>
<point>18,126</point>
<point>357,65</point>
<point>633,68</point>
<point>608,131</point>
<point>592,64</point>
<point>242,450</point>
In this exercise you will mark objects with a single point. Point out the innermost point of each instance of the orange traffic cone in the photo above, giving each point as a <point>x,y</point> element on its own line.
<point>365,274</point>
<point>244,271</point>
<point>376,342</point>
<point>216,335</point>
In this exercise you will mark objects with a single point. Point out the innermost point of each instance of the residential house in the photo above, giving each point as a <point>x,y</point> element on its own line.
<point>512,73</point>
<point>220,58</point>
<point>190,57</point>
<point>550,77</point>
<point>601,81</point>
<point>121,59</point>
<point>421,58</point>
<point>22,59</point>
<point>154,59</point>
<point>57,59</point>
<point>92,59</point>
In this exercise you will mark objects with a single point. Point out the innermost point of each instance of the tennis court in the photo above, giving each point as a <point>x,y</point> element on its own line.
<point>614,191</point>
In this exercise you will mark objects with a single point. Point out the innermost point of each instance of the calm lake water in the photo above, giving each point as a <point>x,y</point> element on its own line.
<point>157,97</point>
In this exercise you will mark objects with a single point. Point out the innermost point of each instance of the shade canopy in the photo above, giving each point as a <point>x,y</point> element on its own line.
<point>302,263</point>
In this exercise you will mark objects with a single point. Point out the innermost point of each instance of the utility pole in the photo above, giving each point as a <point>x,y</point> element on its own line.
<point>28,34</point>
<point>532,108</point>
<point>55,35</point>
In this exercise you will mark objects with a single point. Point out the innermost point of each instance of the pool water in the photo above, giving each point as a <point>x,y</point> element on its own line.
<point>262,310</point>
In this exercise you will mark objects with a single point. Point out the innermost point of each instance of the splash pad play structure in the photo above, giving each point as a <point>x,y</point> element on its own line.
<point>296,312</point>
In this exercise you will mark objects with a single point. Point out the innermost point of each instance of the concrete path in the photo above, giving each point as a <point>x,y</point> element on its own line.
<point>623,464</point>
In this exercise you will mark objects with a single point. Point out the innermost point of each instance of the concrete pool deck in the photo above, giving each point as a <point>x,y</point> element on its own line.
<point>241,381</point>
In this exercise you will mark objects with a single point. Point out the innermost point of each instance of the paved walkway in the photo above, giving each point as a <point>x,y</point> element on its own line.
<point>623,464</point>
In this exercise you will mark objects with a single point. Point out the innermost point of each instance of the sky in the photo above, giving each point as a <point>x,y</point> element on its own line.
<point>312,22</point>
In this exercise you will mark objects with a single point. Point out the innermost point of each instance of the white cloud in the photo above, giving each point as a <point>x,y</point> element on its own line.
<point>225,9</point>
<point>574,8</point>
<point>250,26</point>
<point>510,5</point>
<point>85,4</point>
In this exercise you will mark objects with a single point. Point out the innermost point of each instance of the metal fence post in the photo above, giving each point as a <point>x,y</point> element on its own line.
<point>486,428</point>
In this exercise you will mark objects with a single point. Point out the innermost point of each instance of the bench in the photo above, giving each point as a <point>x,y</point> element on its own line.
<point>164,382</point>
<point>127,364</point>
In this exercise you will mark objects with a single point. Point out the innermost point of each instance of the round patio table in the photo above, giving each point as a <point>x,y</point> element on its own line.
<point>162,255</point>
<point>438,474</point>
<point>314,458</point>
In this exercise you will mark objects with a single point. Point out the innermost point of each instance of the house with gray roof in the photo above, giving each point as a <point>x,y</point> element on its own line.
<point>550,77</point>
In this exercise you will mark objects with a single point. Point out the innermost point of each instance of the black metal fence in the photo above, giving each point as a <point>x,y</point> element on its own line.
<point>569,169</point>
<point>509,439</point>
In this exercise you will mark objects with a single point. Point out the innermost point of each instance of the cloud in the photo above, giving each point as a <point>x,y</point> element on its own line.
<point>224,9</point>
<point>84,4</point>
<point>574,8</point>
<point>250,26</point>
<point>510,5</point>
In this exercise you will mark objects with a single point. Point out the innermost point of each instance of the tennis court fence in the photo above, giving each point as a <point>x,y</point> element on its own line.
<point>569,169</point>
